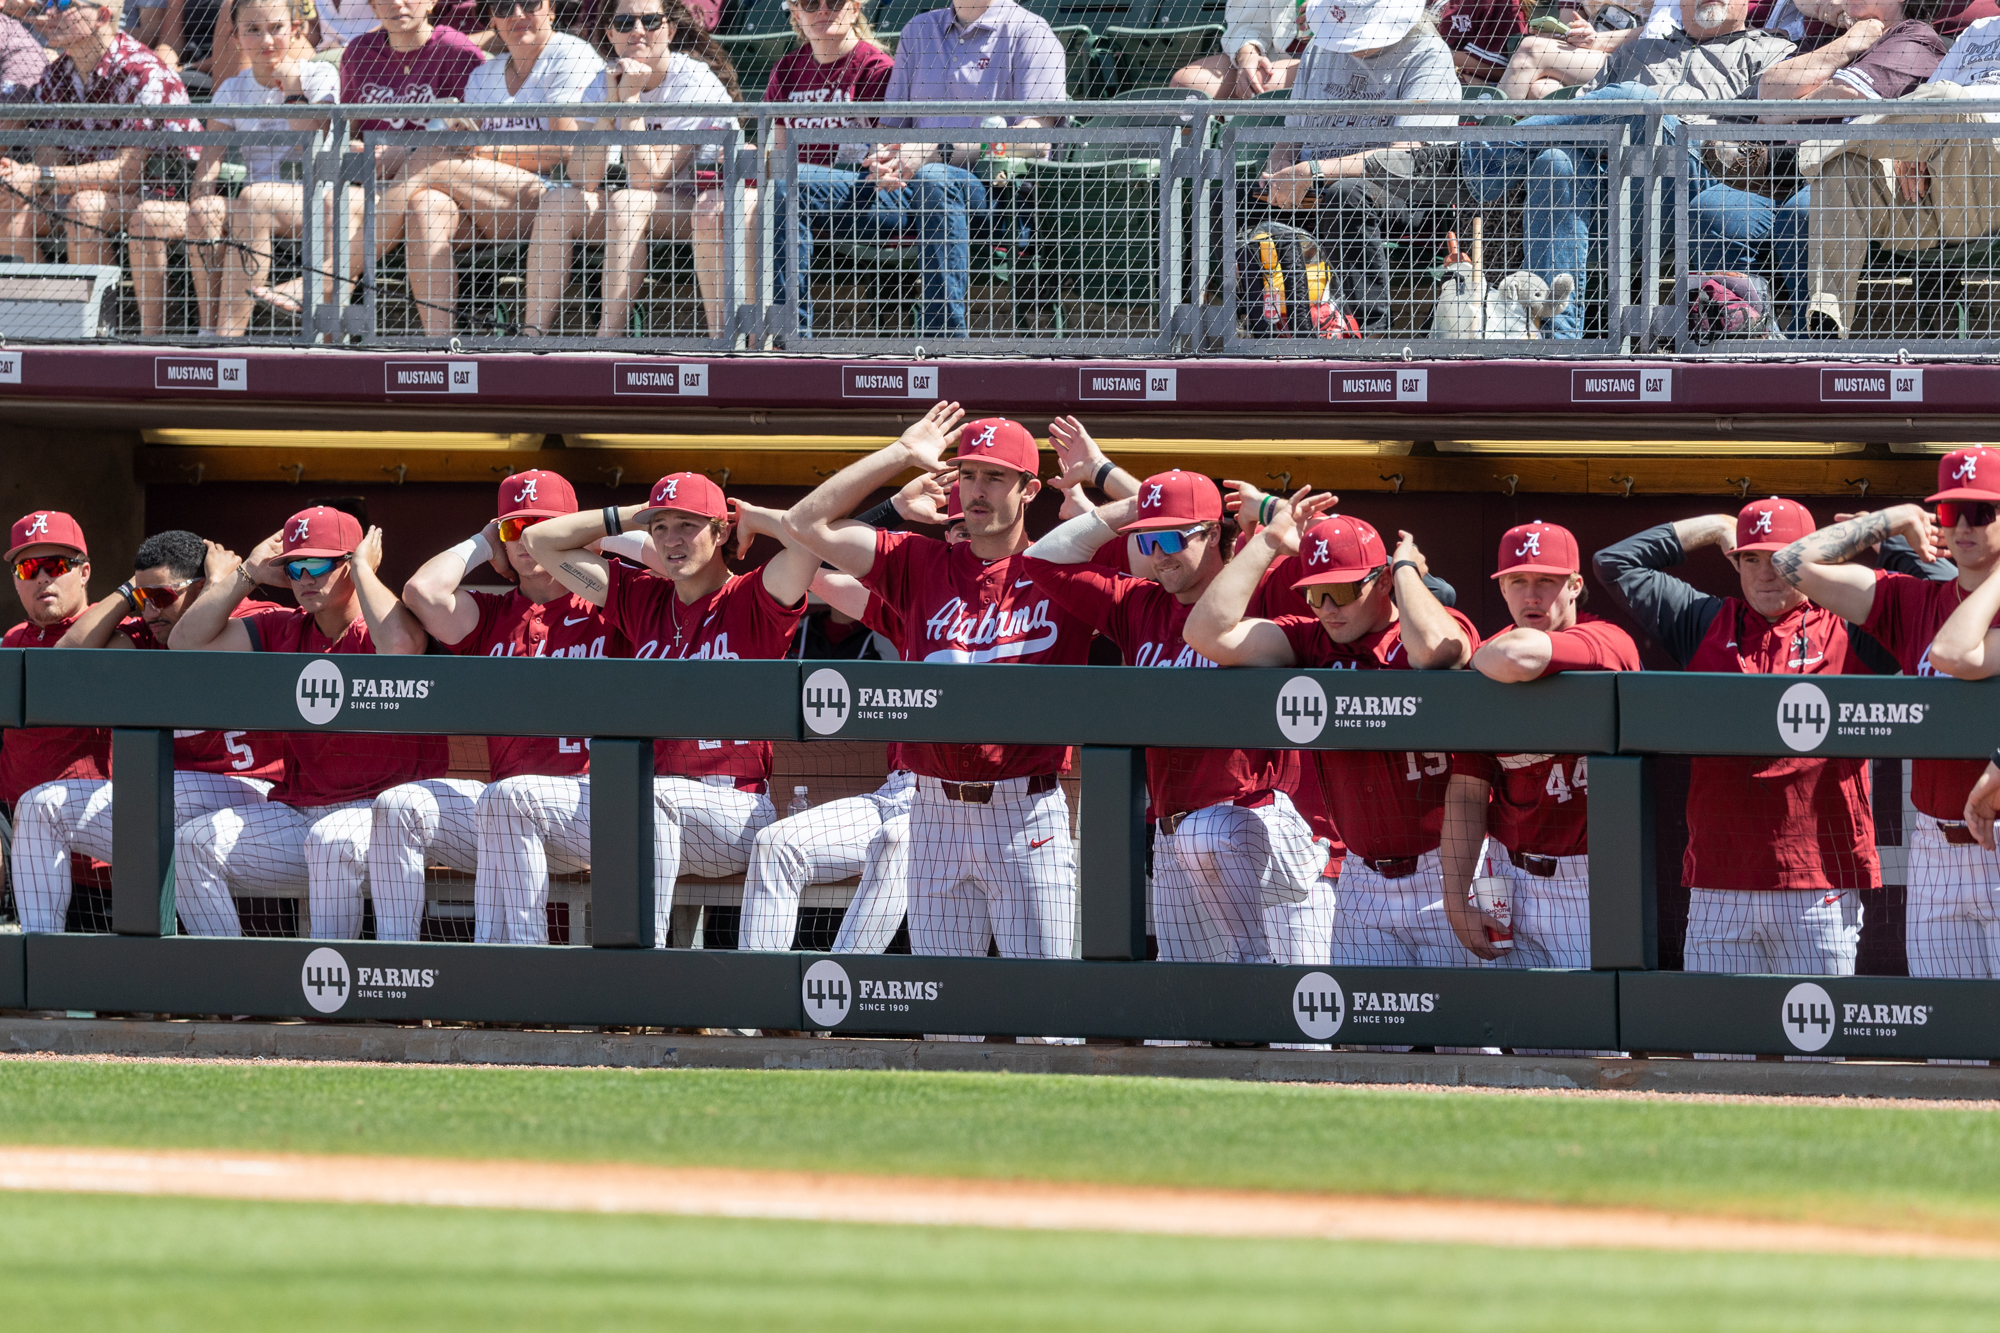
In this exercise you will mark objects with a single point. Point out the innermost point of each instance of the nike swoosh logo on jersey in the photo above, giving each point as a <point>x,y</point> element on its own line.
<point>578,621</point>
<point>1044,841</point>
<point>1024,583</point>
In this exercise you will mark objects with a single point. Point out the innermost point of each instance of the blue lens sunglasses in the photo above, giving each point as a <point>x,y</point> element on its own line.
<point>312,566</point>
<point>1165,543</point>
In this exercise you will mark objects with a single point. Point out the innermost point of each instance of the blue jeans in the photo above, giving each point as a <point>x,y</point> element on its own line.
<point>937,208</point>
<point>1736,229</point>
<point>1564,214</point>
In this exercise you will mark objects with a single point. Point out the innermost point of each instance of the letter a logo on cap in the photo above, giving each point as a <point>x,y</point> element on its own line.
<point>303,530</point>
<point>1320,554</point>
<point>1531,544</point>
<point>1968,468</point>
<point>39,526</point>
<point>672,486</point>
<point>986,438</point>
<point>527,491</point>
<point>1153,500</point>
<point>1763,523</point>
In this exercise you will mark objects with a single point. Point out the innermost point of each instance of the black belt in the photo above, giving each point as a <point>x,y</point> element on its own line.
<point>1255,800</point>
<point>1544,866</point>
<point>1393,867</point>
<point>1956,833</point>
<point>981,793</point>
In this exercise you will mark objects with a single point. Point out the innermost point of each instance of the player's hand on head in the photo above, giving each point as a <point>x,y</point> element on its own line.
<point>1075,502</point>
<point>1239,497</point>
<point>923,498</point>
<point>931,435</point>
<point>1309,508</point>
<point>369,552</point>
<point>491,532</point>
<point>1919,527</point>
<point>1077,456</point>
<point>266,560</point>
<point>1407,549</point>
<point>219,563</point>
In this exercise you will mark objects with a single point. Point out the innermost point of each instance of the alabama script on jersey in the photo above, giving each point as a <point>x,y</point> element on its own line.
<point>1386,803</point>
<point>330,768</point>
<point>738,620</point>
<point>245,754</point>
<point>1145,621</point>
<point>30,756</point>
<point>1541,801</point>
<point>958,608</point>
<point>510,625</point>
<point>1905,618</point>
<point>1765,823</point>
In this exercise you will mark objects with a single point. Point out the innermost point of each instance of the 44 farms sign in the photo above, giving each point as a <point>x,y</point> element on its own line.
<point>1806,718</point>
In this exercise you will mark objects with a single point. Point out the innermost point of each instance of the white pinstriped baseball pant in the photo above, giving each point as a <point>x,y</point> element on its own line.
<point>530,824</point>
<point>1217,874</point>
<point>1953,915</point>
<point>272,850</point>
<point>866,835</point>
<point>1003,871</point>
<point>74,815</point>
<point>431,820</point>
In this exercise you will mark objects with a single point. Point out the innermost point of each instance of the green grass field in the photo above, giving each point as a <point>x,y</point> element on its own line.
<point>96,1262</point>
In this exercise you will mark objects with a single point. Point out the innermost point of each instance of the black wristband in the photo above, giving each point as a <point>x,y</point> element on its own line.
<point>1994,758</point>
<point>613,525</point>
<point>1396,565</point>
<point>125,591</point>
<point>1097,482</point>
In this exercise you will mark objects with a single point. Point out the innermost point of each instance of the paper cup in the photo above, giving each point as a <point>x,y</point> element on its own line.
<point>1495,897</point>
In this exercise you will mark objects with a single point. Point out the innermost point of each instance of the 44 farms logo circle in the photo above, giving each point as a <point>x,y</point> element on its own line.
<point>1802,717</point>
<point>1319,1006</point>
<point>329,983</point>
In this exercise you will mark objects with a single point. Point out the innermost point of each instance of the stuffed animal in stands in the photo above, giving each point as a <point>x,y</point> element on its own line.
<point>1467,307</point>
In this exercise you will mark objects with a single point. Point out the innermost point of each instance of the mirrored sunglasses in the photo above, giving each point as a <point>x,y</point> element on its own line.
<point>1978,513</point>
<point>500,9</point>
<point>1166,543</point>
<point>161,597</point>
<point>312,566</point>
<point>34,566</point>
<point>1340,594</point>
<point>512,528</point>
<point>627,22</point>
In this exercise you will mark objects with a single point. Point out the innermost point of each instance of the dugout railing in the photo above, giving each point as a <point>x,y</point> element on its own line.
<point>1119,234</point>
<point>1622,722</point>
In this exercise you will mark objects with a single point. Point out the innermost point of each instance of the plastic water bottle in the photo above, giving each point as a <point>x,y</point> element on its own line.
<point>799,803</point>
<point>993,149</point>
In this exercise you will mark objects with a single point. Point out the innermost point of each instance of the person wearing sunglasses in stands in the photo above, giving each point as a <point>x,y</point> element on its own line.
<point>1236,873</point>
<point>313,831</point>
<point>434,820</point>
<point>213,770</point>
<point>661,55</point>
<point>1370,612</point>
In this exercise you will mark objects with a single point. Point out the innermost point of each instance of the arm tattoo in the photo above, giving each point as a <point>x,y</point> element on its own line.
<point>583,575</point>
<point>1832,546</point>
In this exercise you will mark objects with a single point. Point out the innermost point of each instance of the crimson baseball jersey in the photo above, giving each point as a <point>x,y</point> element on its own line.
<point>510,625</point>
<point>1763,823</point>
<point>1906,616</point>
<point>738,620</point>
<point>30,756</point>
<point>1386,803</point>
<point>881,617</point>
<point>956,607</point>
<point>246,754</point>
<point>1145,621</point>
<point>329,768</point>
<point>1541,801</point>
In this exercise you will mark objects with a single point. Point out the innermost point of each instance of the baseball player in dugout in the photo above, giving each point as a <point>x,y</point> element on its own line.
<point>1237,876</point>
<point>213,770</point>
<point>710,796</point>
<point>1523,818</point>
<point>1933,627</point>
<point>1369,612</point>
<point>993,859</point>
<point>437,819</point>
<point>1778,849</point>
<point>313,829</point>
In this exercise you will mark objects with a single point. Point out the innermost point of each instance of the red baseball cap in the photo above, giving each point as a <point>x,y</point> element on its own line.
<point>1971,473</point>
<point>1175,499</point>
<point>954,508</point>
<point>1538,548</point>
<point>689,492</point>
<point>1340,550</point>
<point>321,531</point>
<point>1772,525</point>
<point>47,527</point>
<point>536,494</point>
<point>998,440</point>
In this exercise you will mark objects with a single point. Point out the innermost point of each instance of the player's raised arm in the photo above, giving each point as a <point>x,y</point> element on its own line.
<point>1434,641</point>
<point>1967,644</point>
<point>1084,464</point>
<point>97,627</point>
<point>1218,627</point>
<point>207,626</point>
<point>1816,564</point>
<point>560,545</point>
<point>841,592</point>
<point>788,574</point>
<point>450,613</point>
<point>820,523</point>
<point>391,627</point>
<point>1075,540</point>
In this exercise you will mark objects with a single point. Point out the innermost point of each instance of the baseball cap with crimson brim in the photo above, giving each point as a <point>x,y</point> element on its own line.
<point>1340,550</point>
<point>1772,524</point>
<point>687,492</point>
<point>1538,548</point>
<point>536,494</point>
<point>998,440</point>
<point>46,527</point>
<point>1971,473</point>
<point>1169,501</point>
<point>321,531</point>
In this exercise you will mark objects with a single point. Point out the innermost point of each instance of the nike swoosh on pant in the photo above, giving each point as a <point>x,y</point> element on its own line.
<point>1033,845</point>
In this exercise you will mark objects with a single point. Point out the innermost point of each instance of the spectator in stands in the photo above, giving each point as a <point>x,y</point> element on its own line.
<point>1260,51</point>
<point>1849,50</point>
<point>1482,35</point>
<point>839,63</point>
<point>227,59</point>
<point>1541,64</point>
<point>1711,56</point>
<point>93,191</point>
<point>22,62</point>
<point>1365,51</point>
<point>491,191</point>
<point>662,57</point>
<point>267,205</point>
<point>405,59</point>
<point>1911,194</point>
<point>973,51</point>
